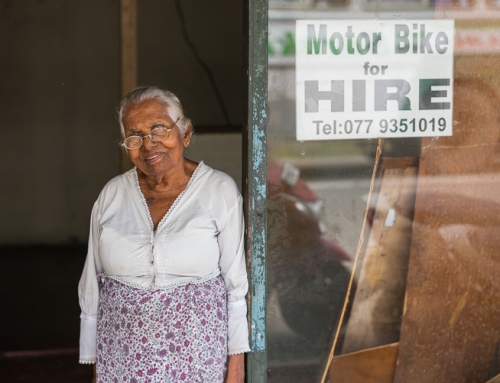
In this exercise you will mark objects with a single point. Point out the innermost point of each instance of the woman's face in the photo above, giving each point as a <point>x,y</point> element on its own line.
<point>154,158</point>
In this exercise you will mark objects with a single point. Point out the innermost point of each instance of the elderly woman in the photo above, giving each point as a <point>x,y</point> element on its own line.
<point>163,288</point>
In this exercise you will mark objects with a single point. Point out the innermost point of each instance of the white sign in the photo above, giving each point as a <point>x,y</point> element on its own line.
<point>374,78</point>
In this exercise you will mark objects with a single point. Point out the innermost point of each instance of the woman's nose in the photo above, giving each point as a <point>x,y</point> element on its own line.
<point>148,142</point>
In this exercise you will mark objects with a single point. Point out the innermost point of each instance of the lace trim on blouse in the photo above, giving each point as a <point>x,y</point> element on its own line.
<point>154,287</point>
<point>176,202</point>
<point>240,350</point>
<point>87,360</point>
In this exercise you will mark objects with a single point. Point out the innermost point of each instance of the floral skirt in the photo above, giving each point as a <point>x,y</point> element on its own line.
<point>153,336</point>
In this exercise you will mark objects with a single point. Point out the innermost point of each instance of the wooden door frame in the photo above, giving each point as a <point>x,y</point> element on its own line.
<point>255,180</point>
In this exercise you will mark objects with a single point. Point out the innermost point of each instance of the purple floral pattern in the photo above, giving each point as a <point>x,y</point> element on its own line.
<point>175,335</point>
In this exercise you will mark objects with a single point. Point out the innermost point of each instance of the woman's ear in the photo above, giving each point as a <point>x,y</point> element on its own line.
<point>188,134</point>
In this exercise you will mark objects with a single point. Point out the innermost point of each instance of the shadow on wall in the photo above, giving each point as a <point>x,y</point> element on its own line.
<point>38,290</point>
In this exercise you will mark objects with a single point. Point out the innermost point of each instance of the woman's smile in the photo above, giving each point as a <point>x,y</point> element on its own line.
<point>154,157</point>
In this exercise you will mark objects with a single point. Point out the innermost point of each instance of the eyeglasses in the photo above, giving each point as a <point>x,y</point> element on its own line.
<point>157,134</point>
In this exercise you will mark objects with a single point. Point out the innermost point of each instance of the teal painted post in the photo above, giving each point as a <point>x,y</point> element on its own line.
<point>255,162</point>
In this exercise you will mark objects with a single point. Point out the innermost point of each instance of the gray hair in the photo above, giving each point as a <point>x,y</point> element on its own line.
<point>144,93</point>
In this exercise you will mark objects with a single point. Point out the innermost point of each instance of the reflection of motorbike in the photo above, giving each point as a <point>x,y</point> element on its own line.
<point>305,267</point>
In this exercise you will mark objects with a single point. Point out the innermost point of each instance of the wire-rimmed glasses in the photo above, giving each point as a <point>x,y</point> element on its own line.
<point>157,134</point>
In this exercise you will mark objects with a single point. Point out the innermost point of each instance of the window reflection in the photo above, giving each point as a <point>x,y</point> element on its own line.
<point>454,218</point>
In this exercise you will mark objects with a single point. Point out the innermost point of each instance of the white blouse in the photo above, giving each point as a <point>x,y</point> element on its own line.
<point>200,237</point>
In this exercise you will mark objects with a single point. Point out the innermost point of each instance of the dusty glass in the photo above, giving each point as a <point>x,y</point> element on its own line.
<point>383,250</point>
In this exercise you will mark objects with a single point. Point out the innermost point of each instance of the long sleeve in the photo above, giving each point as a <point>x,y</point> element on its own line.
<point>233,270</point>
<point>88,292</point>
<point>203,233</point>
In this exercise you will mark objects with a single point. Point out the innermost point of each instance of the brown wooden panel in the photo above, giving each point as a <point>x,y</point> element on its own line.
<point>496,379</point>
<point>451,323</point>
<point>375,365</point>
<point>399,162</point>
<point>128,23</point>
<point>375,318</point>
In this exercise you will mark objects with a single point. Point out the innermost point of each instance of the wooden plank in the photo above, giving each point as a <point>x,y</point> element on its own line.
<point>374,365</point>
<point>399,162</point>
<point>128,24</point>
<point>496,379</point>
<point>128,31</point>
<point>450,327</point>
<point>375,317</point>
<point>255,182</point>
<point>345,308</point>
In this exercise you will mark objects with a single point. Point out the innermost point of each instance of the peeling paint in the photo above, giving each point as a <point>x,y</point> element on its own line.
<point>256,191</point>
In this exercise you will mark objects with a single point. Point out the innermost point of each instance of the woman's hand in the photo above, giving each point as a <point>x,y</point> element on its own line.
<point>235,369</point>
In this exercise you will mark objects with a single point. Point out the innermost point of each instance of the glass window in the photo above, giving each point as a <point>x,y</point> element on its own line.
<point>383,250</point>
